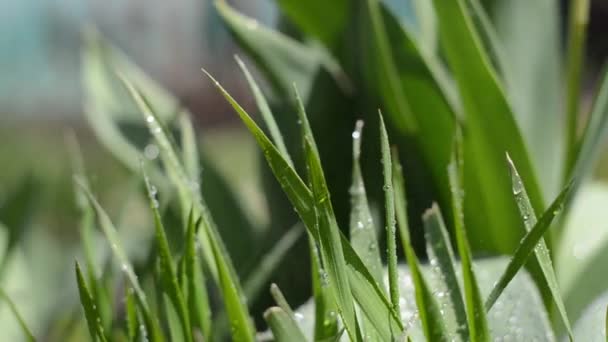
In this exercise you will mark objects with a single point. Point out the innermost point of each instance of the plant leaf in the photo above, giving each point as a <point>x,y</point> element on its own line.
<point>540,250</point>
<point>363,235</point>
<point>490,130</point>
<point>24,328</point>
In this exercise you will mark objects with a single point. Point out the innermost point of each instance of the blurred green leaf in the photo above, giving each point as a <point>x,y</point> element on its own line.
<point>24,327</point>
<point>490,131</point>
<point>283,327</point>
<point>582,251</point>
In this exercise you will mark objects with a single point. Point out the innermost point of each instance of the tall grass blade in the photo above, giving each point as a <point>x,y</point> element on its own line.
<point>528,244</point>
<point>389,203</point>
<point>491,129</point>
<point>132,321</point>
<point>476,314</point>
<point>279,298</point>
<point>365,289</point>
<point>326,321</point>
<point>189,147</point>
<point>111,234</point>
<point>265,111</point>
<point>441,256</point>
<point>24,328</point>
<point>542,253</point>
<point>431,318</point>
<point>197,297</point>
<point>332,255</point>
<point>91,313</point>
<point>363,234</point>
<point>283,326</point>
<point>168,274</point>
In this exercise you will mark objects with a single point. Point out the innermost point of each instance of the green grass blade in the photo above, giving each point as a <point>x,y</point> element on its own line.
<point>542,253</point>
<point>241,326</point>
<point>189,147</point>
<point>363,234</point>
<point>168,274</point>
<point>279,298</point>
<point>283,326</point>
<point>332,254</point>
<point>265,111</point>
<point>389,203</point>
<point>430,315</point>
<point>528,244</point>
<point>172,318</point>
<point>111,234</point>
<point>265,268</point>
<point>198,299</point>
<point>491,129</point>
<point>326,321</point>
<point>577,31</point>
<point>132,321</point>
<point>365,288</point>
<point>476,314</point>
<point>595,132</point>
<point>91,313</point>
<point>441,256</point>
<point>24,328</point>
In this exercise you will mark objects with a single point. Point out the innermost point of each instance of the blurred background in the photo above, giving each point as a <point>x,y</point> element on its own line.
<point>41,103</point>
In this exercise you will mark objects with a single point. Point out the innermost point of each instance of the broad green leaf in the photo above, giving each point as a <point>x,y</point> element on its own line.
<point>265,111</point>
<point>332,254</point>
<point>433,323</point>
<point>320,19</point>
<point>389,204</point>
<point>24,327</point>
<point>531,242</point>
<point>363,234</point>
<point>592,324</point>
<point>168,274</point>
<point>476,314</point>
<point>582,250</point>
<point>529,36</point>
<point>595,133</point>
<point>441,257</point>
<point>281,59</point>
<point>490,131</point>
<point>542,253</point>
<point>283,326</point>
<point>111,234</point>
<point>269,262</point>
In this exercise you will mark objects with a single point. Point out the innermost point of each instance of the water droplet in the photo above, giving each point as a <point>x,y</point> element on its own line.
<point>150,119</point>
<point>151,151</point>
<point>356,135</point>
<point>298,316</point>
<point>386,187</point>
<point>124,267</point>
<point>360,225</point>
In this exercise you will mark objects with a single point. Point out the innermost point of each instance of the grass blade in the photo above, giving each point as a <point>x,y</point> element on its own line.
<point>428,309</point>
<point>240,323</point>
<point>332,255</point>
<point>91,313</point>
<point>528,244</point>
<point>111,234</point>
<point>197,299</point>
<point>265,111</point>
<point>389,203</point>
<point>168,274</point>
<point>131,315</point>
<point>283,326</point>
<point>326,321</point>
<point>189,147</point>
<point>26,331</point>
<point>476,314</point>
<point>365,289</point>
<point>577,31</point>
<point>542,253</point>
<point>279,298</point>
<point>491,130</point>
<point>441,255</point>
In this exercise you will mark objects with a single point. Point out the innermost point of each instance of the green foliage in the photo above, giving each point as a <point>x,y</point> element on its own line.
<point>450,87</point>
